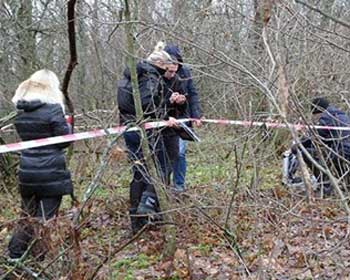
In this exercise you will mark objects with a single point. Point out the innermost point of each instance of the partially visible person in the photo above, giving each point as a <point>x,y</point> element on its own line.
<point>176,108</point>
<point>156,103</point>
<point>331,147</point>
<point>193,111</point>
<point>43,176</point>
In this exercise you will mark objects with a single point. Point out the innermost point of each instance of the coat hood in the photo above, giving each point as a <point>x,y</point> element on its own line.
<point>29,106</point>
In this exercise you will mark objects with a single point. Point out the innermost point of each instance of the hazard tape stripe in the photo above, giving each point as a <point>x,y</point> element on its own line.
<point>77,136</point>
<point>274,124</point>
<point>120,129</point>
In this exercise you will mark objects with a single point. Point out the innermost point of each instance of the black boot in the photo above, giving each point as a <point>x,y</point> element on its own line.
<point>137,223</point>
<point>148,204</point>
<point>327,189</point>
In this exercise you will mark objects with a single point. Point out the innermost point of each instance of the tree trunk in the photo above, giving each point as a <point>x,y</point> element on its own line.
<point>26,39</point>
<point>170,230</point>
<point>262,14</point>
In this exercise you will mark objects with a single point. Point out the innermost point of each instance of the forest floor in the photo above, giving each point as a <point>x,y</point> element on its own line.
<point>271,232</point>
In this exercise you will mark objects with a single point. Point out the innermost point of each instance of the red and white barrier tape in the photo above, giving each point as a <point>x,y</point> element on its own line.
<point>77,136</point>
<point>274,124</point>
<point>120,129</point>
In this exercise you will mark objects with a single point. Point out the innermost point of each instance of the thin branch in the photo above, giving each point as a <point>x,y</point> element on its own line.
<point>343,23</point>
<point>90,190</point>
<point>229,236</point>
<point>238,166</point>
<point>73,53</point>
<point>114,252</point>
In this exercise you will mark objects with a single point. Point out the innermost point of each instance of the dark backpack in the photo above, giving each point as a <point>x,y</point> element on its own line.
<point>125,97</point>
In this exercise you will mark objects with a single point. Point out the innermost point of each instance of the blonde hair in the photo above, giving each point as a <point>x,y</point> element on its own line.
<point>43,85</point>
<point>159,55</point>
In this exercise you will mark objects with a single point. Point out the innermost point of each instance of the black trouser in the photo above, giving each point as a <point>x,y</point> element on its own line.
<point>164,150</point>
<point>42,208</point>
<point>330,160</point>
<point>171,145</point>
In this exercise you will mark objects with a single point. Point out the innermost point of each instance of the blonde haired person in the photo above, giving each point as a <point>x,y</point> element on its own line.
<point>156,103</point>
<point>43,177</point>
<point>43,85</point>
<point>159,57</point>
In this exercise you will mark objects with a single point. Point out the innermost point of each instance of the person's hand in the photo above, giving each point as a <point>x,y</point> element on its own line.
<point>300,127</point>
<point>172,122</point>
<point>198,122</point>
<point>69,119</point>
<point>177,98</point>
<point>173,97</point>
<point>181,99</point>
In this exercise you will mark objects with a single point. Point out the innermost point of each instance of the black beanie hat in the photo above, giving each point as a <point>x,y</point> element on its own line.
<point>319,105</point>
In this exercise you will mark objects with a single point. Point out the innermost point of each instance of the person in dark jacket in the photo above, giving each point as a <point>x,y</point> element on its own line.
<point>331,147</point>
<point>155,101</point>
<point>176,108</point>
<point>43,176</point>
<point>193,111</point>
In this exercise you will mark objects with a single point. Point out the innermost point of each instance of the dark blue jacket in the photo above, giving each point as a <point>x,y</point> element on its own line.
<point>194,109</point>
<point>175,110</point>
<point>337,140</point>
<point>152,91</point>
<point>42,170</point>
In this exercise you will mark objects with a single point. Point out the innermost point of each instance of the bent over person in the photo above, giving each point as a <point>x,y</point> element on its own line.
<point>330,148</point>
<point>156,104</point>
<point>43,176</point>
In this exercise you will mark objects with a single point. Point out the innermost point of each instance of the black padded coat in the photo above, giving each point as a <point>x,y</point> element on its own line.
<point>42,171</point>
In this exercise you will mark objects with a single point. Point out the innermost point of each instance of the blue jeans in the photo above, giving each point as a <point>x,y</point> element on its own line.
<point>180,166</point>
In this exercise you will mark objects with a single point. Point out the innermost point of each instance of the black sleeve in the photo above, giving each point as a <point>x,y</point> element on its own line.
<point>325,121</point>
<point>149,90</point>
<point>306,142</point>
<point>59,125</point>
<point>193,98</point>
<point>328,136</point>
